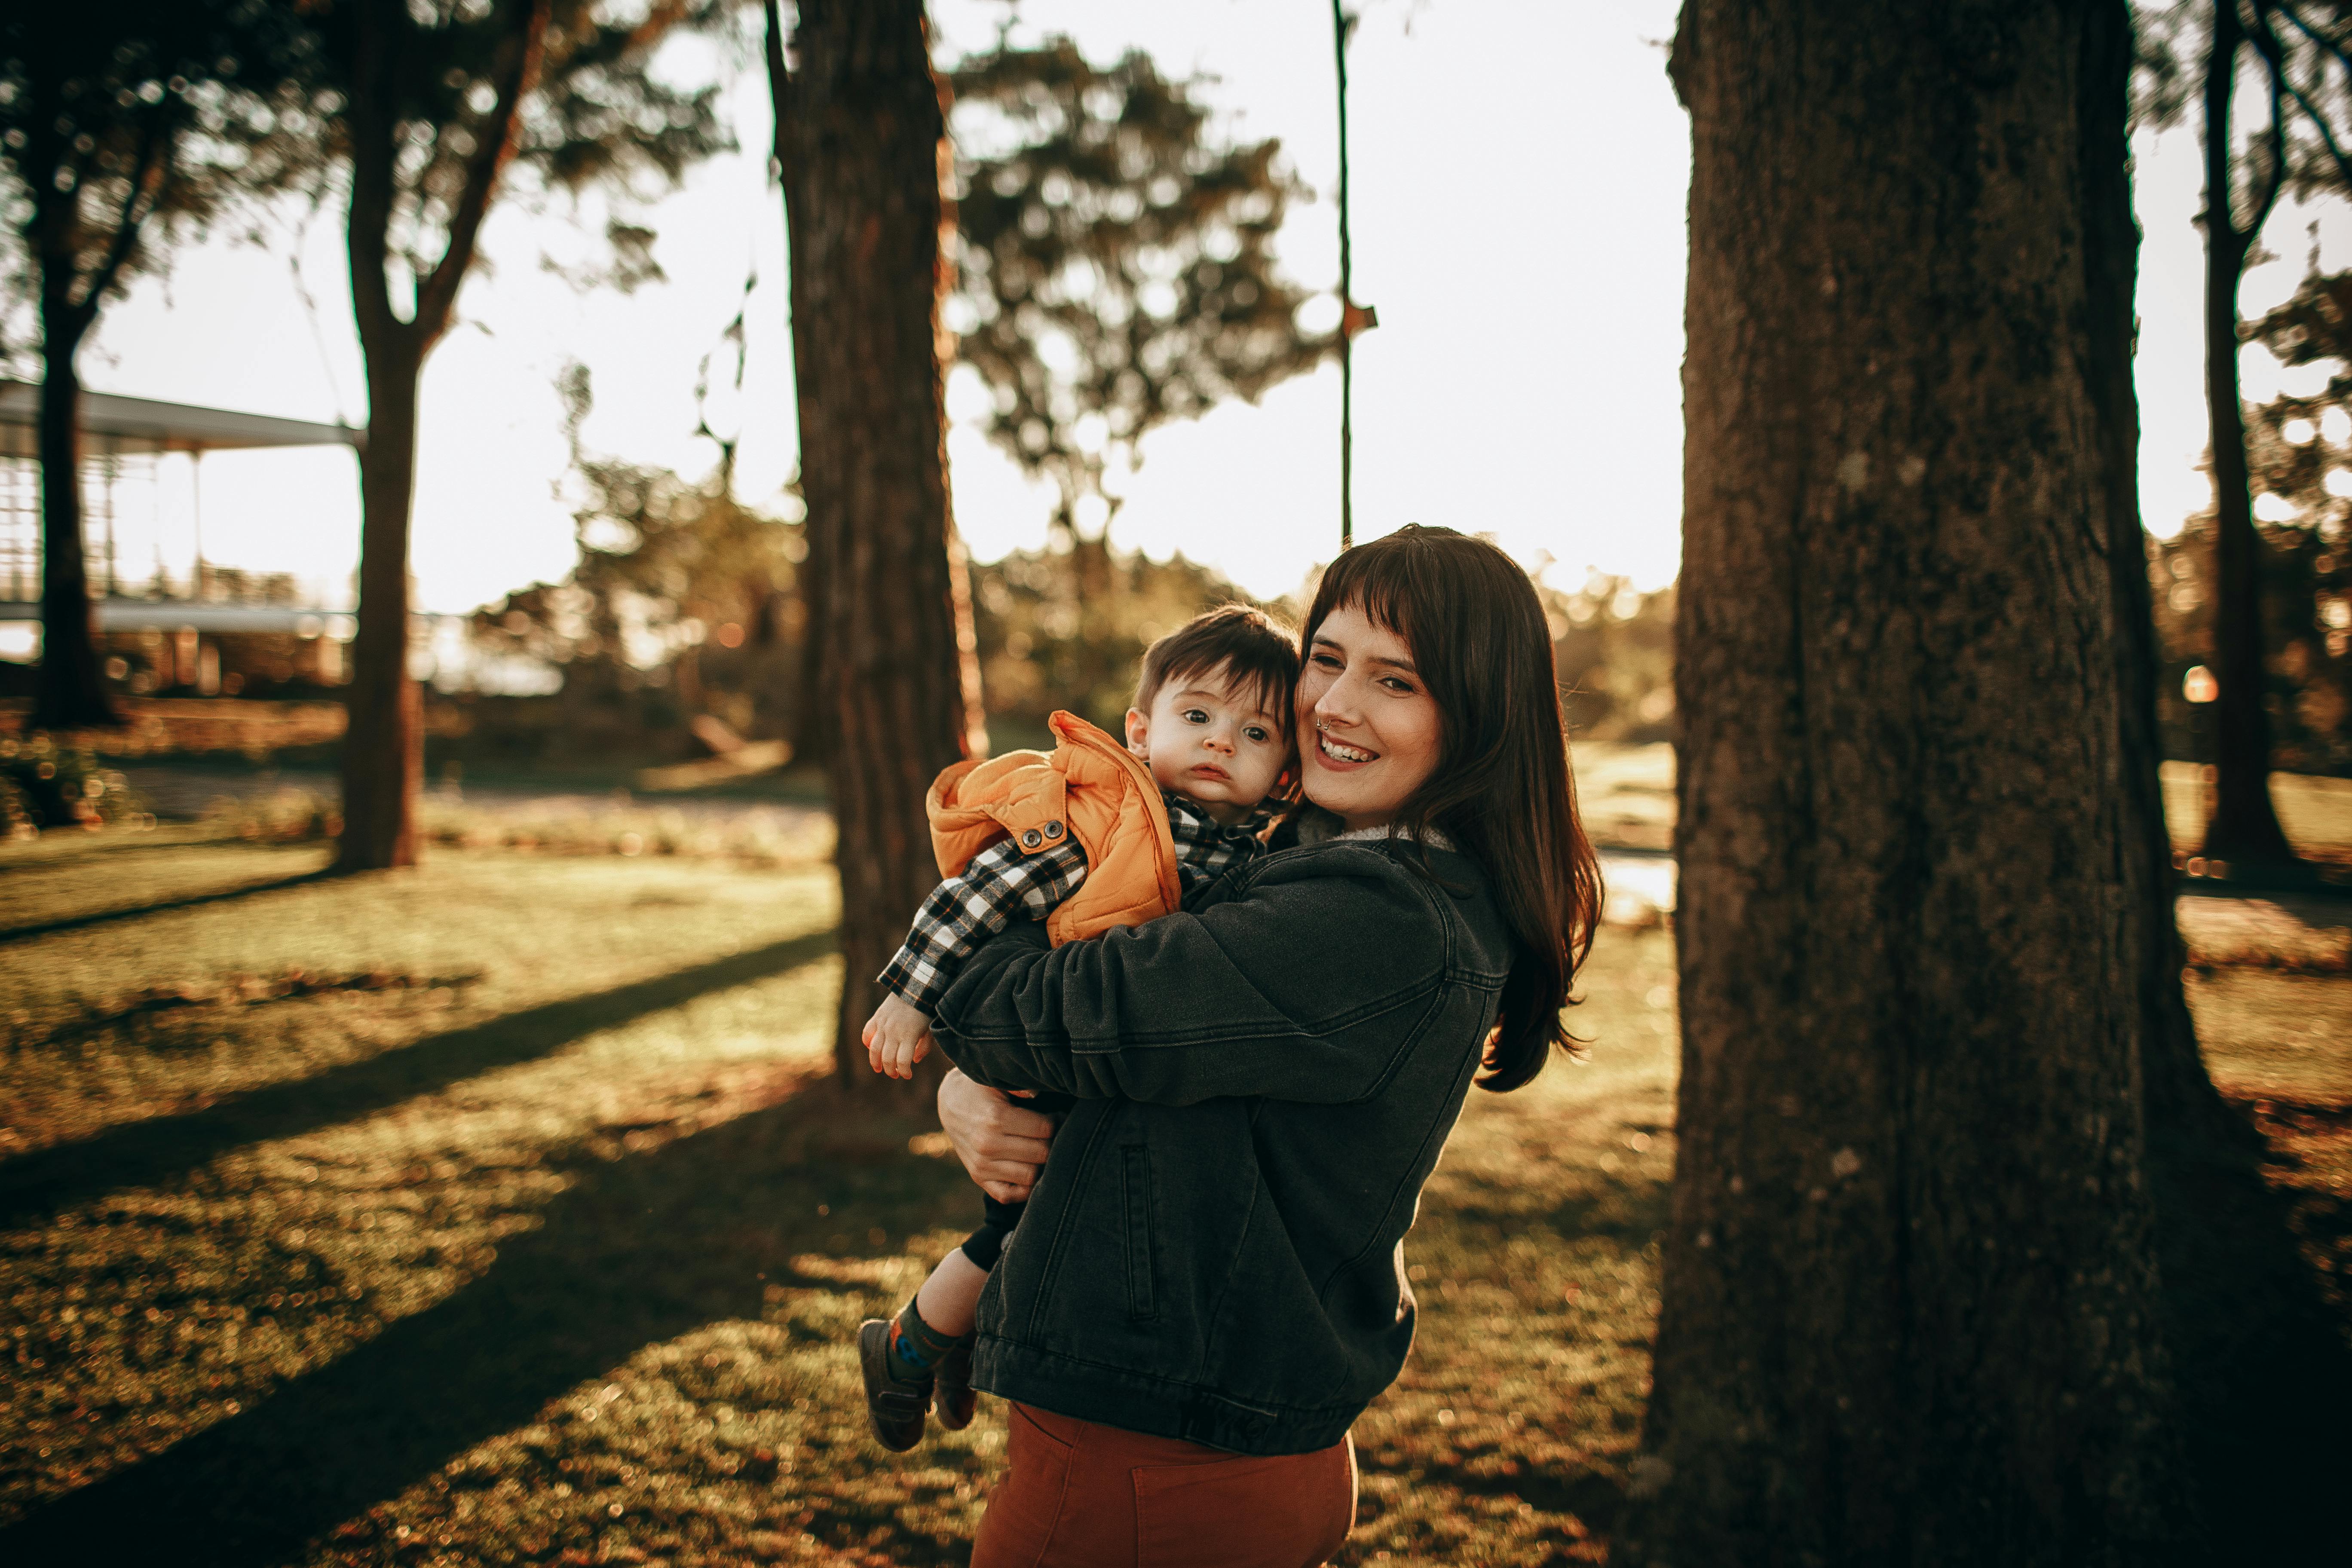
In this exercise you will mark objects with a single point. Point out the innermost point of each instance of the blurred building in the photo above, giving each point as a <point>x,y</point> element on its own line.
<point>202,629</point>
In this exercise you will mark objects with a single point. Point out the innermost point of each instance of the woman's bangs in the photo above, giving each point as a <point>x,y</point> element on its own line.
<point>1382,584</point>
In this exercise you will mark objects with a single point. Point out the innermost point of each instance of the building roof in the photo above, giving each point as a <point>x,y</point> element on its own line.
<point>196,616</point>
<point>142,424</point>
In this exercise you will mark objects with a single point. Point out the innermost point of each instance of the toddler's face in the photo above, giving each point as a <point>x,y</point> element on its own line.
<point>1209,739</point>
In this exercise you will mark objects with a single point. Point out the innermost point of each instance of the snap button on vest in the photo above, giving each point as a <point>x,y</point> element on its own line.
<point>1053,830</point>
<point>1030,841</point>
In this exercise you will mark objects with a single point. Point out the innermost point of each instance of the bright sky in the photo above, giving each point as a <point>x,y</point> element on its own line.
<point>1518,171</point>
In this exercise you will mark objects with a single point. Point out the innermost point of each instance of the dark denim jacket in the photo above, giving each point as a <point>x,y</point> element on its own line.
<point>1262,1083</point>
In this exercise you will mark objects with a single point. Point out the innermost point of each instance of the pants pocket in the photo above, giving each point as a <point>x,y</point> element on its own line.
<point>1025,1507</point>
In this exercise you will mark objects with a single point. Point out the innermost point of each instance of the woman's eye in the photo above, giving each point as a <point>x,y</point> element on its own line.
<point>1327,660</point>
<point>1400,687</point>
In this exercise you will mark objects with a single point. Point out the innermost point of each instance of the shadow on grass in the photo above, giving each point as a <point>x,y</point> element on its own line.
<point>638,1252</point>
<point>2260,1358</point>
<point>139,1153</point>
<point>1594,1499</point>
<point>9,934</point>
<point>110,844</point>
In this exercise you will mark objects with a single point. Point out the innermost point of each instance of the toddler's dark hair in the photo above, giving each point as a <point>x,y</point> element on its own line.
<point>1254,650</point>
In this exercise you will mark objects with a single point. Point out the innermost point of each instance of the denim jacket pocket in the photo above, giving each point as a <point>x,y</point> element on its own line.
<point>1135,1193</point>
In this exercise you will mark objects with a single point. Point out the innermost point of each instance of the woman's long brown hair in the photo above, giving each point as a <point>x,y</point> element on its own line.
<point>1501,789</point>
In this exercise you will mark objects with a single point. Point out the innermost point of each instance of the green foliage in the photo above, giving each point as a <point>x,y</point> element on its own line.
<point>2299,457</point>
<point>120,130</point>
<point>1115,263</point>
<point>685,601</point>
<point>44,784</point>
<point>1067,627</point>
<point>1614,650</point>
<point>595,116</point>
<point>2294,69</point>
<point>2163,39</point>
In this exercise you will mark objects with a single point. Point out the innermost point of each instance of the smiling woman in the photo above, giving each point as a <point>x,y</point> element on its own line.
<point>1430,709</point>
<point>1261,1082</point>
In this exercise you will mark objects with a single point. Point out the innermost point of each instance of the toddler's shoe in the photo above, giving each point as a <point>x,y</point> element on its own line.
<point>954,1401</point>
<point>894,1404</point>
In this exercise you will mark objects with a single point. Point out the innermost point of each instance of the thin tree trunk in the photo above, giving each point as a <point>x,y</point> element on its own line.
<point>72,692</point>
<point>2245,829</point>
<point>861,139</point>
<point>384,737</point>
<point>1911,1309</point>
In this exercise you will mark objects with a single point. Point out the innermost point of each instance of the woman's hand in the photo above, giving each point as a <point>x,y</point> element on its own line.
<point>1002,1144</point>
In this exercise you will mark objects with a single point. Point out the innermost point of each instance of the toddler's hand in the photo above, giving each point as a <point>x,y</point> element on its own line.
<point>896,1037</point>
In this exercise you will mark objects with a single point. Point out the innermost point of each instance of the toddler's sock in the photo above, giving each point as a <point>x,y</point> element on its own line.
<point>916,1347</point>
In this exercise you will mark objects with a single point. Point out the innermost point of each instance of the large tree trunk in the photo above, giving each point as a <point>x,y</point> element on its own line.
<point>1910,1295</point>
<point>861,138</point>
<point>72,693</point>
<point>384,737</point>
<point>2244,828</point>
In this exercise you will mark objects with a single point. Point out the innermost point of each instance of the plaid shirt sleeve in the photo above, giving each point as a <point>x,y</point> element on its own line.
<point>998,886</point>
<point>1204,848</point>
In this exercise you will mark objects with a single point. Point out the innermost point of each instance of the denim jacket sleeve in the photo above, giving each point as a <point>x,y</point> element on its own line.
<point>1307,984</point>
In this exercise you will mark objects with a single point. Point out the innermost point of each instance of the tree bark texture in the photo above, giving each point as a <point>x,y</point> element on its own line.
<point>2244,828</point>
<point>1911,1309</point>
<point>383,735</point>
<point>383,739</point>
<point>72,692</point>
<point>861,140</point>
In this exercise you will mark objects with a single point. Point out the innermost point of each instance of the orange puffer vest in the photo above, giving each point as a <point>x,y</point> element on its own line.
<point>1088,785</point>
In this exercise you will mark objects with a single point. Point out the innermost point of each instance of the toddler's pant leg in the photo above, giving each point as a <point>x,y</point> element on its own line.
<point>984,1245</point>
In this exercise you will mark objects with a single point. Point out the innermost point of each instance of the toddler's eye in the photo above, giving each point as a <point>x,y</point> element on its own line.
<point>1256,732</point>
<point>1194,716</point>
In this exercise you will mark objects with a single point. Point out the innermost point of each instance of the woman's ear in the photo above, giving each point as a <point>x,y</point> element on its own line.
<point>1138,732</point>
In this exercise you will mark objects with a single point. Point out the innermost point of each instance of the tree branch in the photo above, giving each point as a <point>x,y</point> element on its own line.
<point>2308,31</point>
<point>369,223</point>
<point>2276,177</point>
<point>436,297</point>
<point>2274,51</point>
<point>779,91</point>
<point>153,167</point>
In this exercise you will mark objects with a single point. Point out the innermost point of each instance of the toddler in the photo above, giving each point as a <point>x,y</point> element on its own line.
<point>1086,837</point>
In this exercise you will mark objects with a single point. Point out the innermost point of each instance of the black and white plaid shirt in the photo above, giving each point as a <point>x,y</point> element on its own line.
<point>1002,884</point>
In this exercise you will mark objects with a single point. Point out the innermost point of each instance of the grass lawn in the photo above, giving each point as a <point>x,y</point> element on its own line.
<point>500,1212</point>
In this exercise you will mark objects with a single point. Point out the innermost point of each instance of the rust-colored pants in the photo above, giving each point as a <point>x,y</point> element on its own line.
<point>1079,1495</point>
